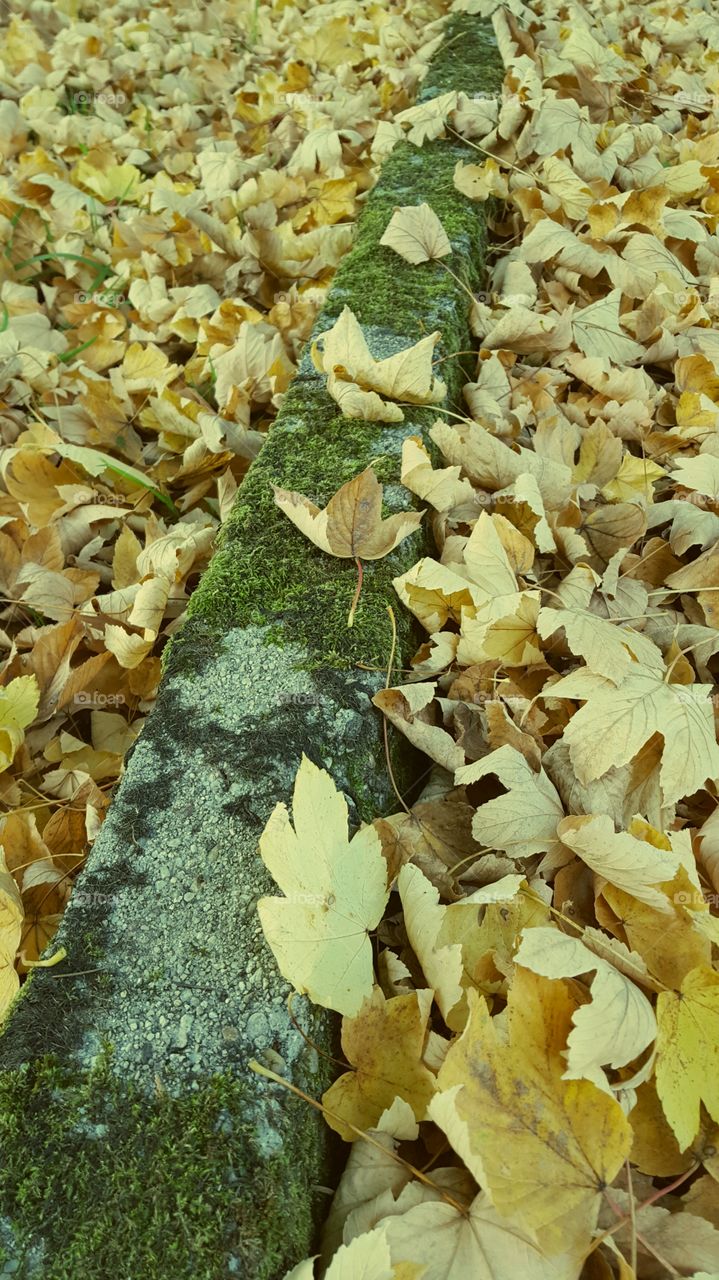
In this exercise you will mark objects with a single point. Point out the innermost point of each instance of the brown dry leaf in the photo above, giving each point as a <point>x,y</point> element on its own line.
<point>407,708</point>
<point>351,524</point>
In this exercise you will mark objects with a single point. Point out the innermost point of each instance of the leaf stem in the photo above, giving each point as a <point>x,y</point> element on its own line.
<point>355,598</point>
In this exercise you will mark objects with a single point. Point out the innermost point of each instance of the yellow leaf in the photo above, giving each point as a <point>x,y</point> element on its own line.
<point>618,1024</point>
<point>524,820</point>
<point>631,864</point>
<point>19,702</point>
<point>543,1147</point>
<point>385,1043</point>
<point>115,182</point>
<point>416,234</point>
<point>335,892</point>
<point>407,709</point>
<point>343,353</point>
<point>634,479</point>
<point>479,1244</point>
<point>615,723</point>
<point>687,1068</point>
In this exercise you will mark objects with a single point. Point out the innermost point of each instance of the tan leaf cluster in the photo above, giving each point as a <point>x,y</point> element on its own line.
<point>557,882</point>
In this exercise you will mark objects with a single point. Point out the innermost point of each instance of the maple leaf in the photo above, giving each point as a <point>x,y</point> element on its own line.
<point>524,820</point>
<point>416,234</point>
<point>362,385</point>
<point>367,1257</point>
<point>19,702</point>
<point>618,1024</point>
<point>542,1152</point>
<point>633,865</point>
<point>607,649</point>
<point>351,524</point>
<point>687,1065</point>
<point>333,898</point>
<point>478,1242</point>
<point>385,1044</point>
<point>615,723</point>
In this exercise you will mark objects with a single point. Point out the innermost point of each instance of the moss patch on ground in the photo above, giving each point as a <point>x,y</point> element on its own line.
<point>160,1187</point>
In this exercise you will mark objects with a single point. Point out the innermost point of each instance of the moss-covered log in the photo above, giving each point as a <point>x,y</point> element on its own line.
<point>135,1141</point>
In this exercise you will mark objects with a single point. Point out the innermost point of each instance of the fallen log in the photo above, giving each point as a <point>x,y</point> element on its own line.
<point>135,1141</point>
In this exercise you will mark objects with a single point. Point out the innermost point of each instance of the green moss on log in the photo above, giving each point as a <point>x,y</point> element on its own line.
<point>160,1187</point>
<point>313,449</point>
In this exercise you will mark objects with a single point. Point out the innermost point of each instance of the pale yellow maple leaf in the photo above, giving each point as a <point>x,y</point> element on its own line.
<point>615,723</point>
<point>442,487</point>
<point>427,119</point>
<point>479,1243</point>
<point>423,918</point>
<point>480,181</point>
<point>597,331</point>
<point>631,864</point>
<point>608,650</point>
<point>524,820</point>
<point>335,892</point>
<point>435,593</point>
<point>366,1257</point>
<point>122,182</point>
<point>561,181</point>
<point>634,479</point>
<point>342,352</point>
<point>700,474</point>
<point>416,234</point>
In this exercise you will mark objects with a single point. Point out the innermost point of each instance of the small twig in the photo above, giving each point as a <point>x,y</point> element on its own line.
<point>254,1065</point>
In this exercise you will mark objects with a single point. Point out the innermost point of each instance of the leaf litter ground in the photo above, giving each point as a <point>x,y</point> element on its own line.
<point>531,1062</point>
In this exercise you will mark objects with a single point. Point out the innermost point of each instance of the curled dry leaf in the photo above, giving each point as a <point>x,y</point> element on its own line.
<point>342,353</point>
